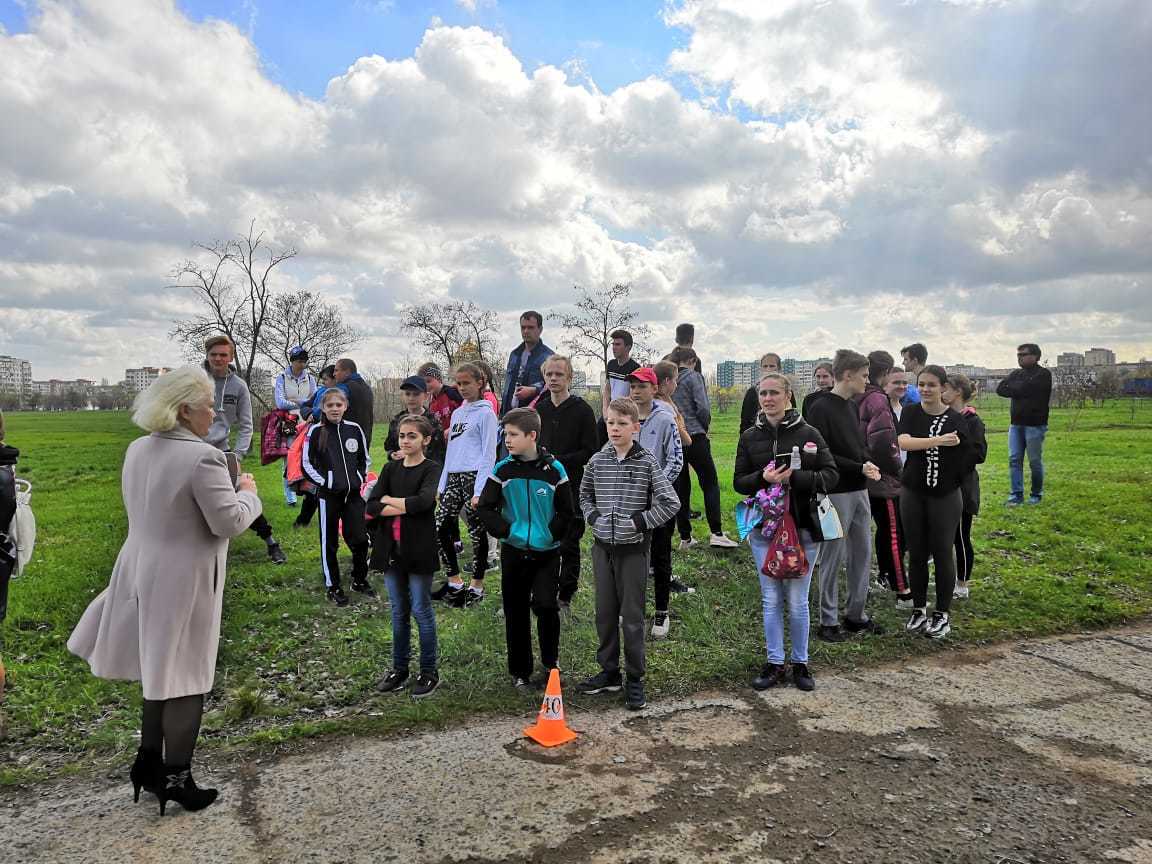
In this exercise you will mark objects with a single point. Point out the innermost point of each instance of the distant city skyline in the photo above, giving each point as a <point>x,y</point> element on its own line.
<point>795,177</point>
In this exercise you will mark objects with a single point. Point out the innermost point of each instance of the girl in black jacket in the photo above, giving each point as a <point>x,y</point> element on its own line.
<point>762,460</point>
<point>958,392</point>
<point>931,504</point>
<point>335,458</point>
<point>403,507</point>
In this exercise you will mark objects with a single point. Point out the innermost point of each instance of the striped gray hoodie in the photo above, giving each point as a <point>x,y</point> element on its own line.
<point>624,498</point>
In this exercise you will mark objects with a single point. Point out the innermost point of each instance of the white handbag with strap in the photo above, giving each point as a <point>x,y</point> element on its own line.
<point>22,531</point>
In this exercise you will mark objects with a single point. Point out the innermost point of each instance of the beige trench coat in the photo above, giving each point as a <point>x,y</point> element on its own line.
<point>158,621</point>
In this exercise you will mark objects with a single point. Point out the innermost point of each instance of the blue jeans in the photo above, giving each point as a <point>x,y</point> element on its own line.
<point>410,596</point>
<point>775,592</point>
<point>1030,440</point>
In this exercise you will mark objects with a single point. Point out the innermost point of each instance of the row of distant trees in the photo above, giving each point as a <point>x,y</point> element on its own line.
<point>232,284</point>
<point>102,398</point>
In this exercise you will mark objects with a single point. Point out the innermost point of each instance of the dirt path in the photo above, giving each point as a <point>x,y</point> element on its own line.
<point>1022,754</point>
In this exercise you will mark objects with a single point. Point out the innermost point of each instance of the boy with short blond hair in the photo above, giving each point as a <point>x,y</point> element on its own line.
<point>624,495</point>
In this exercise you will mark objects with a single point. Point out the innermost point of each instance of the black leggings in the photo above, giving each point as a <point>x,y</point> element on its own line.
<point>930,525</point>
<point>965,554</point>
<point>698,455</point>
<point>170,727</point>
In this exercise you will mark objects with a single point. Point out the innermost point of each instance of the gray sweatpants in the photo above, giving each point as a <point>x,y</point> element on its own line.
<point>854,548</point>
<point>621,579</point>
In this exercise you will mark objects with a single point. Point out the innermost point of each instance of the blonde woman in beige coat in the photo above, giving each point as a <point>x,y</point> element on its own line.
<point>158,621</point>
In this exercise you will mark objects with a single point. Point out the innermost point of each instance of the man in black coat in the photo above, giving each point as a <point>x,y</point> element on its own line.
<point>1030,389</point>
<point>360,401</point>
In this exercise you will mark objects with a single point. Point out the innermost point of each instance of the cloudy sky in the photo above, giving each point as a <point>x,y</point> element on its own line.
<point>796,175</point>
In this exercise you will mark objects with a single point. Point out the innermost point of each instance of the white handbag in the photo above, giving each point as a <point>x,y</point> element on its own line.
<point>22,531</point>
<point>827,517</point>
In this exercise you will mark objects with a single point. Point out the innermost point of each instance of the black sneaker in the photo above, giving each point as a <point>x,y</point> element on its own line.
<point>831,633</point>
<point>771,675</point>
<point>869,627</point>
<point>426,684</point>
<point>802,678</point>
<point>601,682</point>
<point>678,587</point>
<point>466,598</point>
<point>522,684</point>
<point>362,586</point>
<point>276,553</point>
<point>336,595</point>
<point>634,694</point>
<point>447,592</point>
<point>394,680</point>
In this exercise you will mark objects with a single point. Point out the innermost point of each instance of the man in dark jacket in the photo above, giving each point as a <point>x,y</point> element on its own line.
<point>523,380</point>
<point>834,415</point>
<point>1030,389</point>
<point>360,400</point>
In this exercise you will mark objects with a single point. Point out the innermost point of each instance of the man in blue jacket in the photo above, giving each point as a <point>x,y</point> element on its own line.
<point>523,379</point>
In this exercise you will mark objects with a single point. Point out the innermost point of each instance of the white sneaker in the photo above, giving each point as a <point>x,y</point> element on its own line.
<point>961,592</point>
<point>690,543</point>
<point>660,625</point>
<point>917,622</point>
<point>939,627</point>
<point>722,541</point>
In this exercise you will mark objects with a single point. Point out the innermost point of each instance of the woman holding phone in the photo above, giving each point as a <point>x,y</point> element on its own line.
<point>935,438</point>
<point>158,621</point>
<point>763,459</point>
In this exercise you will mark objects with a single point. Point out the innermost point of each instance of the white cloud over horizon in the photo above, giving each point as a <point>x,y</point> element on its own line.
<point>806,176</point>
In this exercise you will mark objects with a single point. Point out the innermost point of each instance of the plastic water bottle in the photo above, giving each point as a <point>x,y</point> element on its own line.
<point>794,463</point>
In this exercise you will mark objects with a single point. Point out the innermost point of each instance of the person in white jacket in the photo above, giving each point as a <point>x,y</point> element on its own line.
<point>468,462</point>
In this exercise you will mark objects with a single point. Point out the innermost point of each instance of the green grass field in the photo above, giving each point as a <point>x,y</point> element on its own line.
<point>292,665</point>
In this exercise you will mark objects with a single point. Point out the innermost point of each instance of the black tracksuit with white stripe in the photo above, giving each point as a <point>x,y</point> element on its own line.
<point>336,459</point>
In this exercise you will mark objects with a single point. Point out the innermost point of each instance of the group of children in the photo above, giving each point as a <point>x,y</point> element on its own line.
<point>536,502</point>
<point>555,482</point>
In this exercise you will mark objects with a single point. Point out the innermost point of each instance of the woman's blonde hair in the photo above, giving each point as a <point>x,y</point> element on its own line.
<point>157,409</point>
<point>778,376</point>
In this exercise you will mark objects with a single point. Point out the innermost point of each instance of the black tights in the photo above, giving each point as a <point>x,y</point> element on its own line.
<point>965,554</point>
<point>170,726</point>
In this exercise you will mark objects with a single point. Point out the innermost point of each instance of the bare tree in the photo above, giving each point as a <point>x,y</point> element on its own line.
<point>442,328</point>
<point>303,319</point>
<point>237,309</point>
<point>599,312</point>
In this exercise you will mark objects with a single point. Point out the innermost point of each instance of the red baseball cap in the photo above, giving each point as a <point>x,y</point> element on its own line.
<point>645,374</point>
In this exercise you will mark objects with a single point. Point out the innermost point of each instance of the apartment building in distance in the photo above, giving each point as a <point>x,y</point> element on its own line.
<point>734,373</point>
<point>15,376</point>
<point>57,387</point>
<point>137,380</point>
<point>1070,359</point>
<point>1099,357</point>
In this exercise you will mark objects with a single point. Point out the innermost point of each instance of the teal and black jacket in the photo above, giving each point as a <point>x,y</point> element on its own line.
<point>528,505</point>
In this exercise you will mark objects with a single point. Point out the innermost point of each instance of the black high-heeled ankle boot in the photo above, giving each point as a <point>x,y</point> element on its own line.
<point>145,771</point>
<point>176,784</point>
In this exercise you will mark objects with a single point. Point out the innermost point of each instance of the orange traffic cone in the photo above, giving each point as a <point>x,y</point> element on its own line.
<point>550,730</point>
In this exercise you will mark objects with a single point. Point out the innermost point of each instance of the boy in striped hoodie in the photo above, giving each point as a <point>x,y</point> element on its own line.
<point>624,495</point>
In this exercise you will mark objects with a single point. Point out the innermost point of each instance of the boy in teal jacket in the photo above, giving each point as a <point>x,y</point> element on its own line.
<point>528,505</point>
